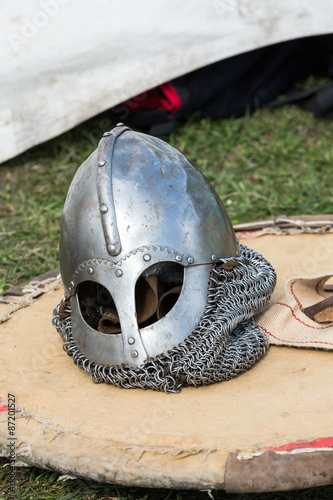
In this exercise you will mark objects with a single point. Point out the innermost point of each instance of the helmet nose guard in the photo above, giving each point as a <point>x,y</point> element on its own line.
<point>143,238</point>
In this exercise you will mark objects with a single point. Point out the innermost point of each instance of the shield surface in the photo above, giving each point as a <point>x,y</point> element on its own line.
<point>261,431</point>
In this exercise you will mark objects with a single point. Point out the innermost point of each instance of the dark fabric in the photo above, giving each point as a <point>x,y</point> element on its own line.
<point>239,85</point>
<point>247,81</point>
<point>317,99</point>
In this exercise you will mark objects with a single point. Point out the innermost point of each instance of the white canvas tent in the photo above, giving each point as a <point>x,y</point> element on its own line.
<point>64,61</point>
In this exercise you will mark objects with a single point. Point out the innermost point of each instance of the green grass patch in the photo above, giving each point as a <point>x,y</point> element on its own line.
<point>271,163</point>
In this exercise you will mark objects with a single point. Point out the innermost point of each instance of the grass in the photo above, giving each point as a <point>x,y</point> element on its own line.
<point>273,162</point>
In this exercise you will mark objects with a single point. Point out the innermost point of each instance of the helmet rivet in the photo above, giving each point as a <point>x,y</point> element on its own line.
<point>72,284</point>
<point>120,124</point>
<point>103,208</point>
<point>131,341</point>
<point>214,257</point>
<point>106,134</point>
<point>90,270</point>
<point>101,163</point>
<point>112,248</point>
<point>190,260</point>
<point>146,257</point>
<point>178,258</point>
<point>135,354</point>
<point>119,273</point>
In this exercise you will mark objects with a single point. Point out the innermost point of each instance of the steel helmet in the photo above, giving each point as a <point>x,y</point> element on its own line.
<point>144,243</point>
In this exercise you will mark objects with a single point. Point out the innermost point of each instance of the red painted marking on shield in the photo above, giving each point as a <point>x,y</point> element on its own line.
<point>3,406</point>
<point>315,443</point>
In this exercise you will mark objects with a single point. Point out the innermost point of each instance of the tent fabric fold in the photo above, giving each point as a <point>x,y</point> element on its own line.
<point>62,63</point>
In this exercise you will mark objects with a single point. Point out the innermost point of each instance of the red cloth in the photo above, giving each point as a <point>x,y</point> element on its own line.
<point>164,97</point>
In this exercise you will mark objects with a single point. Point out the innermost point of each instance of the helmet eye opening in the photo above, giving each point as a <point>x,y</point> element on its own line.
<point>98,308</point>
<point>157,291</point>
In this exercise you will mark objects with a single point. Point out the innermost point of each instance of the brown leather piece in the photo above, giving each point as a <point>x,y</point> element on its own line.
<point>273,471</point>
<point>109,323</point>
<point>167,301</point>
<point>325,316</point>
<point>229,266</point>
<point>147,297</point>
<point>321,312</point>
<point>18,290</point>
<point>62,313</point>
